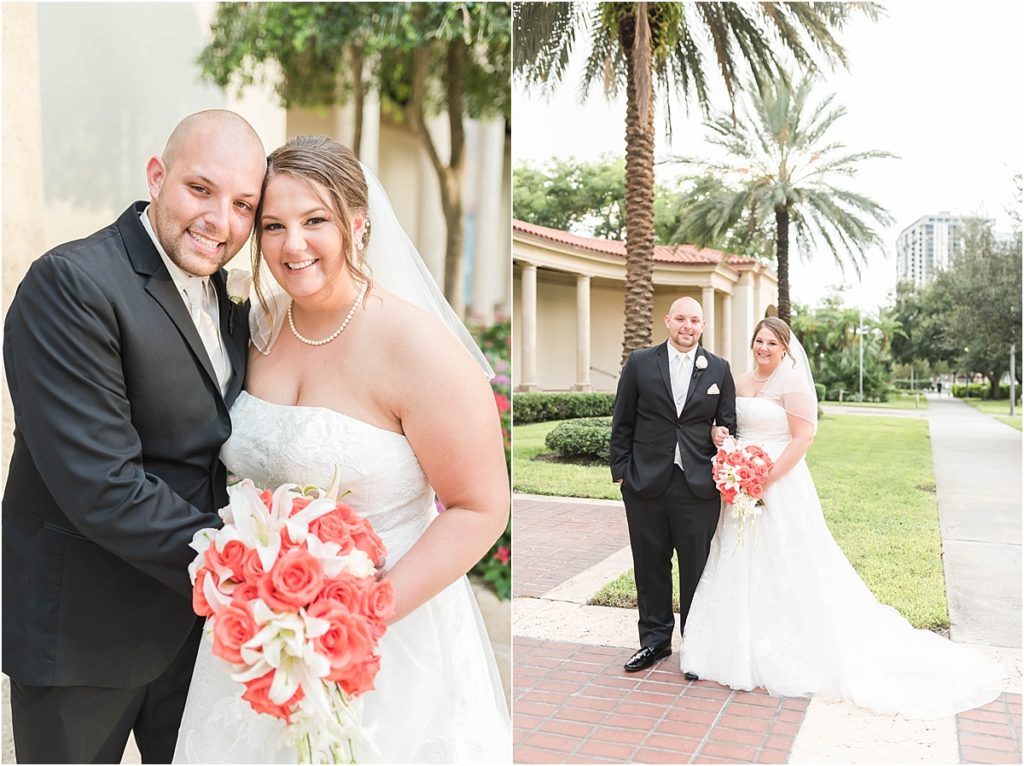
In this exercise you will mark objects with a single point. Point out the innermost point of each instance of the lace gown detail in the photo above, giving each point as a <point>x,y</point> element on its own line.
<point>438,696</point>
<point>781,607</point>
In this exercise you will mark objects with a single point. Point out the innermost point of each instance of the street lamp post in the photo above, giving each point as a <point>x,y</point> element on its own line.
<point>860,343</point>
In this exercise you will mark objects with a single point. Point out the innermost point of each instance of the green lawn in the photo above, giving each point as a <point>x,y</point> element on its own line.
<point>876,483</point>
<point>901,402</point>
<point>543,477</point>
<point>999,408</point>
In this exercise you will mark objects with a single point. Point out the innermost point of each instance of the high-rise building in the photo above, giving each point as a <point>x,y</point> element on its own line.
<point>928,246</point>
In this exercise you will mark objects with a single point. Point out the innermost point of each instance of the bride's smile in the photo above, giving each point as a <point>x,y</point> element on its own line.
<point>301,238</point>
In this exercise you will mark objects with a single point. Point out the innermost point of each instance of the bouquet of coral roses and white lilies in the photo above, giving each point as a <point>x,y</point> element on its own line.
<point>289,589</point>
<point>739,472</point>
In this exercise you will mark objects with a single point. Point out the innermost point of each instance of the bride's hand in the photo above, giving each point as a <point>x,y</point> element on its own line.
<point>718,435</point>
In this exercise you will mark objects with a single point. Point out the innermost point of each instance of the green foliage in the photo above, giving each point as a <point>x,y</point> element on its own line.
<point>495,341</point>
<point>819,391</point>
<point>313,45</point>
<point>782,171</point>
<point>583,438</point>
<point>968,317</point>
<point>829,334</point>
<point>533,470</point>
<point>537,407</point>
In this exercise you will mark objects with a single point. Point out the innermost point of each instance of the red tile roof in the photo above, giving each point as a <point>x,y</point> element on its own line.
<point>690,254</point>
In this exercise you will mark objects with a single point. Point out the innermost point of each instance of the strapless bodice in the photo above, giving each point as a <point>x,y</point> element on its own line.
<point>274,444</point>
<point>761,421</point>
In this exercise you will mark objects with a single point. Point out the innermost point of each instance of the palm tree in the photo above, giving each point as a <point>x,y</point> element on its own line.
<point>782,165</point>
<point>648,45</point>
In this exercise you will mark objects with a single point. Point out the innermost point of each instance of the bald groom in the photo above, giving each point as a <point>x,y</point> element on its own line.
<point>669,396</point>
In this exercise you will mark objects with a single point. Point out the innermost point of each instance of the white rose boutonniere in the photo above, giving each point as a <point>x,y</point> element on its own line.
<point>701,363</point>
<point>239,285</point>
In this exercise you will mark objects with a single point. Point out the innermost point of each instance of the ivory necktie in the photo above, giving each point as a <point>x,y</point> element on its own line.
<point>680,374</point>
<point>200,309</point>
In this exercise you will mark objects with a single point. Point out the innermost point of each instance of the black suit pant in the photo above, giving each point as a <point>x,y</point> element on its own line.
<point>89,724</point>
<point>677,521</point>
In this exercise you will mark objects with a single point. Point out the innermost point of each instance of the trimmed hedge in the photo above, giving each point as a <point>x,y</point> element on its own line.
<point>588,438</point>
<point>534,408</point>
<point>982,390</point>
<point>819,390</point>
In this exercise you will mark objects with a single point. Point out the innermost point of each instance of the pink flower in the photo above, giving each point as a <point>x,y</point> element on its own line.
<point>346,590</point>
<point>380,605</point>
<point>199,603</point>
<point>233,627</point>
<point>294,580</point>
<point>348,642</point>
<point>334,527</point>
<point>367,541</point>
<point>257,694</point>
<point>503,554</point>
<point>359,679</point>
<point>233,556</point>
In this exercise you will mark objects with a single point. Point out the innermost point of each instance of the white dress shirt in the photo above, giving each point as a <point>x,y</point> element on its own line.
<point>200,298</point>
<point>680,367</point>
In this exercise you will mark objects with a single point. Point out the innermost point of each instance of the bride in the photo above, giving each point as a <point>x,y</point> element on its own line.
<point>362,367</point>
<point>780,607</point>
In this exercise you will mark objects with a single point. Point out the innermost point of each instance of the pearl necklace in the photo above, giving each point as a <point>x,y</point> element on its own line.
<point>763,380</point>
<point>336,333</point>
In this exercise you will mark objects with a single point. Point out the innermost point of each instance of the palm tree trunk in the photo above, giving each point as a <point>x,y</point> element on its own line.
<point>782,259</point>
<point>639,295</point>
<point>356,53</point>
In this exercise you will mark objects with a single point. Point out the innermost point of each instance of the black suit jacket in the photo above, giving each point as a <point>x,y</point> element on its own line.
<point>119,423</point>
<point>645,427</point>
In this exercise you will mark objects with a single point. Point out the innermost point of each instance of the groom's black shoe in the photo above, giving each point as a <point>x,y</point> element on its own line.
<point>646,657</point>
<point>690,676</point>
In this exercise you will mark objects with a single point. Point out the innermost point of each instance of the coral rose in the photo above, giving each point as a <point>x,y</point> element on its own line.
<point>233,627</point>
<point>298,504</point>
<point>257,694</point>
<point>233,556</point>
<point>346,590</point>
<point>199,603</point>
<point>294,581</point>
<point>359,679</point>
<point>380,605</point>
<point>367,541</point>
<point>348,641</point>
<point>334,527</point>
<point>245,592</point>
<point>252,568</point>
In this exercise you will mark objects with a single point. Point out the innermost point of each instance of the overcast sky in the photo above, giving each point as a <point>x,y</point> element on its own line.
<point>939,84</point>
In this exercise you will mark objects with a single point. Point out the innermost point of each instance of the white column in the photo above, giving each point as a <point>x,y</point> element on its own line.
<point>488,258</point>
<point>504,308</point>
<point>22,165</point>
<point>726,324</point>
<point>528,342</point>
<point>369,149</point>
<point>745,319</point>
<point>345,125</point>
<point>582,333</point>
<point>431,234</point>
<point>707,300</point>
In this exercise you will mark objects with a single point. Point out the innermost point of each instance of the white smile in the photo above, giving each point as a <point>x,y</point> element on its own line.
<point>204,242</point>
<point>300,265</point>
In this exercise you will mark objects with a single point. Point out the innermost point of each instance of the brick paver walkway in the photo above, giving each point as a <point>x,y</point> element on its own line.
<point>575,704</point>
<point>556,540</point>
<point>991,734</point>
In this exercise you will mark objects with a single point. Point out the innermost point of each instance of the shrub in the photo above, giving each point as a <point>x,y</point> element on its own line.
<point>534,408</point>
<point>819,390</point>
<point>583,438</point>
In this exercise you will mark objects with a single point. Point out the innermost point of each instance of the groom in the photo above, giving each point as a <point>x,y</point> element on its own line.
<point>123,356</point>
<point>668,398</point>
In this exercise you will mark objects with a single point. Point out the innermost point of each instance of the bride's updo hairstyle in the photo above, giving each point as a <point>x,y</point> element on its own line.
<point>328,168</point>
<point>777,327</point>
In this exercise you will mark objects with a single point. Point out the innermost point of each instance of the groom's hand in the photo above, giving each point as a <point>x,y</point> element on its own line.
<point>718,435</point>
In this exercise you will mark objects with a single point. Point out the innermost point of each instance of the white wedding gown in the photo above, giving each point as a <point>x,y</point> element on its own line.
<point>438,696</point>
<point>786,611</point>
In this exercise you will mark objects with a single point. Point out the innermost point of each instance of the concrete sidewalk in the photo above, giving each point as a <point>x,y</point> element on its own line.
<point>573,703</point>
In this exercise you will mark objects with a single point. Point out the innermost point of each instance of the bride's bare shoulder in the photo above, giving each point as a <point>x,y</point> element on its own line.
<point>414,334</point>
<point>744,383</point>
